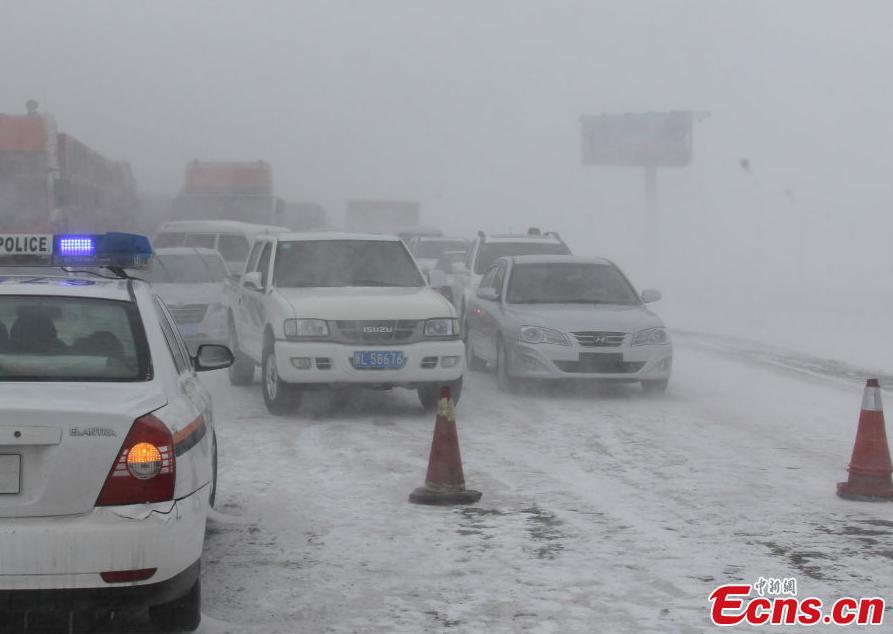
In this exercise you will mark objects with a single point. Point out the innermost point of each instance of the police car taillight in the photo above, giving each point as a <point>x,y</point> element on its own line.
<point>145,468</point>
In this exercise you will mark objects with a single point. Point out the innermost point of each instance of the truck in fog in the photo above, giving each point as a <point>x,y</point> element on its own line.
<point>226,190</point>
<point>381,216</point>
<point>50,181</point>
<point>243,191</point>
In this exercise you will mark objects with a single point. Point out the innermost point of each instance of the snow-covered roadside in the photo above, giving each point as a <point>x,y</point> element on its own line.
<point>851,326</point>
<point>602,511</point>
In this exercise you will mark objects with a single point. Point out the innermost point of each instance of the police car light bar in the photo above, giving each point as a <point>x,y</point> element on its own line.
<point>117,250</point>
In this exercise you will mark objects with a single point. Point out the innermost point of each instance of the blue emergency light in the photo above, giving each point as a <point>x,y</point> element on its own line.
<point>123,250</point>
<point>116,250</point>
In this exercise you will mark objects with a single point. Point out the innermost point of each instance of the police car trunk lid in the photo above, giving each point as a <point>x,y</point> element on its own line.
<point>66,437</point>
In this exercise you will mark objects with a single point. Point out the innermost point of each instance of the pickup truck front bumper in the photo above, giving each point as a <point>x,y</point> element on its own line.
<point>332,363</point>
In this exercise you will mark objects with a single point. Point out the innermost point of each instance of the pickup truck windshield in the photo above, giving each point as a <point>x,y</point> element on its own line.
<point>328,263</point>
<point>71,339</point>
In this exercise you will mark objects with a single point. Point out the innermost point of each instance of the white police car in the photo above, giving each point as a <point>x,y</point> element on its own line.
<point>107,445</point>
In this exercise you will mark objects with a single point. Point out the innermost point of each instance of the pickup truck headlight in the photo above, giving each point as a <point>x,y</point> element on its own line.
<point>537,334</point>
<point>651,337</point>
<point>442,328</point>
<point>295,328</point>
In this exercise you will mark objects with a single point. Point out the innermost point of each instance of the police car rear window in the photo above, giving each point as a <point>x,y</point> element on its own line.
<point>71,339</point>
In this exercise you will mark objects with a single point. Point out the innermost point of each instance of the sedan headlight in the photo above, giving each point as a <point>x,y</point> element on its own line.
<point>295,328</point>
<point>442,328</point>
<point>651,337</point>
<point>537,334</point>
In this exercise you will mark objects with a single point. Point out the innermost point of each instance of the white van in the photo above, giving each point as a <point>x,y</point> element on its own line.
<point>230,237</point>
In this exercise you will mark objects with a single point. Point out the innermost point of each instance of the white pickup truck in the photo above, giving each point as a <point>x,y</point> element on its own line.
<point>329,310</point>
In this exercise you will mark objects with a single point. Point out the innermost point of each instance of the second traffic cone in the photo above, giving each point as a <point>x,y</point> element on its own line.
<point>870,468</point>
<point>445,482</point>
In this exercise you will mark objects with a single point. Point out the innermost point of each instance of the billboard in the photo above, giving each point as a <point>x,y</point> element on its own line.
<point>658,139</point>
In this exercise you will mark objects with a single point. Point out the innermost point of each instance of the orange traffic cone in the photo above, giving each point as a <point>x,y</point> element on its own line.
<point>870,467</point>
<point>445,482</point>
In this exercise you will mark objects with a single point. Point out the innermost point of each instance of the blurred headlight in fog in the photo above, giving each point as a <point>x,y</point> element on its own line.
<point>442,328</point>
<point>306,328</point>
<point>537,334</point>
<point>652,336</point>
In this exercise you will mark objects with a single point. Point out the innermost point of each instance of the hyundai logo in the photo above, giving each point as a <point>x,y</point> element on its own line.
<point>600,340</point>
<point>377,330</point>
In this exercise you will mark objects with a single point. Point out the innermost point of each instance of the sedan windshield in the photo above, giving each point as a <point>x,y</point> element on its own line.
<point>569,283</point>
<point>71,339</point>
<point>185,268</point>
<point>327,263</point>
<point>490,251</point>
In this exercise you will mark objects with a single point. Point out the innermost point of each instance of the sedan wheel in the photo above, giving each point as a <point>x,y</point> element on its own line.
<point>474,363</point>
<point>506,382</point>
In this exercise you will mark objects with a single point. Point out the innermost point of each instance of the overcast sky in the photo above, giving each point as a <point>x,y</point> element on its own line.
<point>472,107</point>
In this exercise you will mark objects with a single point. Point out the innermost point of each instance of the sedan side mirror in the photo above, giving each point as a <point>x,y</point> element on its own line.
<point>437,279</point>
<point>651,295</point>
<point>488,293</point>
<point>254,281</point>
<point>212,357</point>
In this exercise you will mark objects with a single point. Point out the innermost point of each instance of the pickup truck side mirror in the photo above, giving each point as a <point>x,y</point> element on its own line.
<point>212,357</point>
<point>254,281</point>
<point>488,293</point>
<point>437,279</point>
<point>651,295</point>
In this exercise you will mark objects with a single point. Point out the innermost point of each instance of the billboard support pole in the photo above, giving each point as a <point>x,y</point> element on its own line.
<point>651,226</point>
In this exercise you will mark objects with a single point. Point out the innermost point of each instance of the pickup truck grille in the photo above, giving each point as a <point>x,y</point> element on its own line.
<point>386,331</point>
<point>188,313</point>
<point>597,339</point>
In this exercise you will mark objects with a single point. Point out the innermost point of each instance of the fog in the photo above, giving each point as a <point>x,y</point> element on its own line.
<point>473,110</point>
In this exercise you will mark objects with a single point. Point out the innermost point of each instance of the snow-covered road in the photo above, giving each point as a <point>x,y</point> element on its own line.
<point>603,510</point>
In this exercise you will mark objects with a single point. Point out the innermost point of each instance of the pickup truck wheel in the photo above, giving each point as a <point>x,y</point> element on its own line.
<point>429,395</point>
<point>475,363</point>
<point>280,397</point>
<point>241,372</point>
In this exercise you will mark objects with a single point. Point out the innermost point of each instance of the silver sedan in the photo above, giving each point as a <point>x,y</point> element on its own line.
<point>566,317</point>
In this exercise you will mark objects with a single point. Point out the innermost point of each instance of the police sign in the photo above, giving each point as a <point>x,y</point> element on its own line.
<point>26,244</point>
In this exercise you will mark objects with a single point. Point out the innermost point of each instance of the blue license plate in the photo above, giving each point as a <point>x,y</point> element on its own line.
<point>372,360</point>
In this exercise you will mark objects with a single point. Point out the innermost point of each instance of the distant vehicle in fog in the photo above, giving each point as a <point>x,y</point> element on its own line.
<point>427,250</point>
<point>226,190</point>
<point>565,317</point>
<point>381,216</point>
<point>50,181</point>
<point>486,248</point>
<point>241,191</point>
<point>191,281</point>
<point>329,310</point>
<point>445,265</point>
<point>230,237</point>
